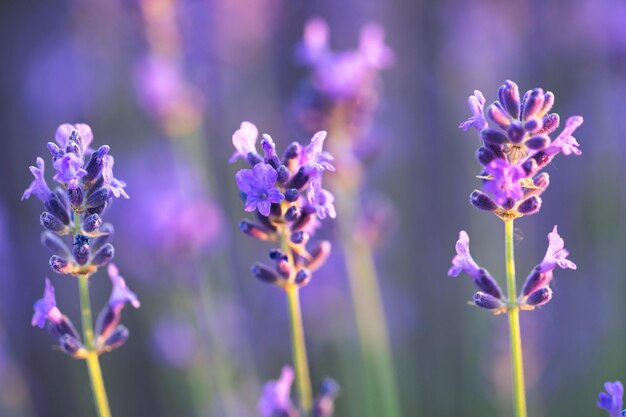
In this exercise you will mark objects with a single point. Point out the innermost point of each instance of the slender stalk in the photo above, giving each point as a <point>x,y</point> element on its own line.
<point>519,390</point>
<point>298,344</point>
<point>93,364</point>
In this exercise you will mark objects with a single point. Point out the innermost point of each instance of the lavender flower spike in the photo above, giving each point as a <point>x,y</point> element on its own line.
<point>46,308</point>
<point>38,187</point>
<point>612,400</point>
<point>276,398</point>
<point>244,140</point>
<point>556,254</point>
<point>477,106</point>
<point>258,184</point>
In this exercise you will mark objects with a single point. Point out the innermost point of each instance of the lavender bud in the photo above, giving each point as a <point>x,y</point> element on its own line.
<point>283,174</point>
<point>73,147</point>
<point>508,204</point>
<point>530,167</point>
<point>76,197</point>
<point>493,137</point>
<point>530,206</point>
<point>498,115</point>
<point>95,164</point>
<point>538,142</point>
<point>254,158</point>
<point>306,215</point>
<point>278,255</point>
<point>264,273</point>
<point>303,276</point>
<point>253,230</point>
<point>292,213</point>
<point>533,104</point>
<point>540,297</point>
<point>541,159</point>
<point>299,180</point>
<point>482,201</point>
<point>108,319</point>
<point>107,232</point>
<point>319,255</point>
<point>292,151</point>
<point>52,222</point>
<point>533,125</point>
<point>98,198</point>
<point>548,102</point>
<point>70,345</point>
<point>291,195</point>
<point>299,237</point>
<point>103,256</point>
<point>55,207</point>
<point>536,280</point>
<point>550,123</point>
<point>487,284</point>
<point>60,265</point>
<point>76,137</point>
<point>118,337</point>
<point>542,180</point>
<point>55,151</point>
<point>61,328</point>
<point>265,222</point>
<point>55,244</point>
<point>81,249</point>
<point>92,223</point>
<point>516,132</point>
<point>487,301</point>
<point>509,97</point>
<point>485,155</point>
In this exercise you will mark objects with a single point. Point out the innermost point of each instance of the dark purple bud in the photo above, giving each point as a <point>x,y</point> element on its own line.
<point>265,222</point>
<point>536,280</point>
<point>493,137</point>
<point>70,345</point>
<point>530,206</point>
<point>254,158</point>
<point>264,273</point>
<point>533,125</point>
<point>81,249</point>
<point>283,174</point>
<point>55,207</point>
<point>103,256</point>
<point>55,151</point>
<point>508,204</point>
<point>306,215</point>
<point>291,195</point>
<point>73,147</point>
<point>485,155</point>
<point>292,151</point>
<point>303,276</point>
<point>107,232</point>
<point>540,297</point>
<point>299,180</point>
<point>541,159</point>
<point>96,210</point>
<point>533,104</point>
<point>277,255</point>
<point>485,282</point>
<point>108,319</point>
<point>117,338</point>
<point>276,210</point>
<point>548,102</point>
<point>75,196</point>
<point>92,223</point>
<point>482,201</point>
<point>292,213</point>
<point>542,180</point>
<point>319,255</point>
<point>52,222</point>
<point>254,230</point>
<point>509,97</point>
<point>60,265</point>
<point>56,245</point>
<point>95,164</point>
<point>530,167</point>
<point>538,142</point>
<point>98,198</point>
<point>63,327</point>
<point>299,237</point>
<point>550,123</point>
<point>516,132</point>
<point>487,301</point>
<point>498,115</point>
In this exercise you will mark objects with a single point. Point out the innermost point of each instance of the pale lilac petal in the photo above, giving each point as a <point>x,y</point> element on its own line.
<point>244,140</point>
<point>556,253</point>
<point>120,295</point>
<point>372,45</point>
<point>38,187</point>
<point>276,397</point>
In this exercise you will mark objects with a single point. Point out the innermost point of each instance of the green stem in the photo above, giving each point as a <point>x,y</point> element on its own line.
<point>298,345</point>
<point>519,390</point>
<point>93,364</point>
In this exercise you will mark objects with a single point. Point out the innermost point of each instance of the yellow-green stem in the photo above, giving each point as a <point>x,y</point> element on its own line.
<point>93,364</point>
<point>298,344</point>
<point>519,390</point>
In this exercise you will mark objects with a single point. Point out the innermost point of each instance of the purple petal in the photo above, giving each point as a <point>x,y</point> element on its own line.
<point>264,207</point>
<point>276,398</point>
<point>46,308</point>
<point>244,141</point>
<point>246,180</point>
<point>120,295</point>
<point>275,196</point>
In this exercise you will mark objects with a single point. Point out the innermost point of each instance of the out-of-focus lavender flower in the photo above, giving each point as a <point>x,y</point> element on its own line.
<point>287,197</point>
<point>556,254</point>
<point>325,401</point>
<point>612,399</point>
<point>175,341</point>
<point>276,398</point>
<point>516,147</point>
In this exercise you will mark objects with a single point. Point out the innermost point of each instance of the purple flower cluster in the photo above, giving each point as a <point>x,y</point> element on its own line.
<point>517,148</point>
<point>536,290</point>
<point>276,398</point>
<point>86,188</point>
<point>612,400</point>
<point>286,195</point>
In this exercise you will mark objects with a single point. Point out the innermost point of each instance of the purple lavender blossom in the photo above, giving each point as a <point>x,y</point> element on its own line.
<point>69,169</point>
<point>322,200</point>
<point>504,184</point>
<point>38,187</point>
<point>314,157</point>
<point>259,186</point>
<point>120,295</point>
<point>46,308</point>
<point>113,184</point>
<point>477,106</point>
<point>65,131</point>
<point>556,254</point>
<point>276,397</point>
<point>244,141</point>
<point>612,399</point>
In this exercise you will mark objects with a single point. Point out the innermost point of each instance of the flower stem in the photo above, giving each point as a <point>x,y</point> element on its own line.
<point>93,364</point>
<point>519,390</point>
<point>298,345</point>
